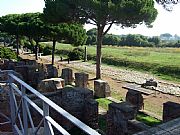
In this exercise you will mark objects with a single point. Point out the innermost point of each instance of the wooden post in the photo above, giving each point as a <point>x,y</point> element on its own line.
<point>85,54</point>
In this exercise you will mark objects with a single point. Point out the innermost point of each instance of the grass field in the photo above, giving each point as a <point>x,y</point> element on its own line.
<point>163,56</point>
<point>164,62</point>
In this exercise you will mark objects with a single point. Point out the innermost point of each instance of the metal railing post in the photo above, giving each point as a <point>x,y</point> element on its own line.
<point>25,118</point>
<point>47,126</point>
<point>12,104</point>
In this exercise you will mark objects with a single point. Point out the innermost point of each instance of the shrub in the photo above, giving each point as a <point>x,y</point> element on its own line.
<point>76,54</point>
<point>47,50</point>
<point>7,53</point>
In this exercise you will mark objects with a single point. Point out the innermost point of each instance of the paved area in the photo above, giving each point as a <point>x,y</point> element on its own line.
<point>127,75</point>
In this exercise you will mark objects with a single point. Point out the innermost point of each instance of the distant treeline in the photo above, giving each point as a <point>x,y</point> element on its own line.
<point>134,40</point>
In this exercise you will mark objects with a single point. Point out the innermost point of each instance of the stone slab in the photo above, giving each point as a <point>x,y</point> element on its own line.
<point>138,88</point>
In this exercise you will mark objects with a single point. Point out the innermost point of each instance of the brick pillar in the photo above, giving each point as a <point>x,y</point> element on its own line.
<point>91,113</point>
<point>67,75</point>
<point>101,89</point>
<point>171,111</point>
<point>81,80</point>
<point>135,98</point>
<point>118,116</point>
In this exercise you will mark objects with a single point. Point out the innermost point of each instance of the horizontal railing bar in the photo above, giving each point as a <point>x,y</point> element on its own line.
<point>56,125</point>
<point>64,113</point>
<point>34,105</point>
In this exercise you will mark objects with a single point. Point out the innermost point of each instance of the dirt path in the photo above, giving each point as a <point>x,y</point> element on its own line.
<point>118,77</point>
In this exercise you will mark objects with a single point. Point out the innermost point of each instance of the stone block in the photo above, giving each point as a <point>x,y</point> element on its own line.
<point>101,89</point>
<point>30,74</point>
<point>171,111</point>
<point>50,71</point>
<point>11,65</point>
<point>31,62</point>
<point>51,85</point>
<point>23,70</point>
<point>91,113</point>
<point>67,75</point>
<point>135,98</point>
<point>118,116</point>
<point>73,100</point>
<point>81,79</point>
<point>20,63</point>
<point>128,110</point>
<point>117,123</point>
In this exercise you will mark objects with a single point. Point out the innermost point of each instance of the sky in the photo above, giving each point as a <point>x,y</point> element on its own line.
<point>166,22</point>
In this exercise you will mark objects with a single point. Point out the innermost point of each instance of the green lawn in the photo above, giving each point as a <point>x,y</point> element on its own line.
<point>162,56</point>
<point>150,121</point>
<point>164,62</point>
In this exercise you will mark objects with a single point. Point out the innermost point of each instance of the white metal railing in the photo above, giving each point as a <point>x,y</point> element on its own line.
<point>20,111</point>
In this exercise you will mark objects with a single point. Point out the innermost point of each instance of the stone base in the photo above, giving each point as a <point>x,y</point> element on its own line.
<point>135,98</point>
<point>67,75</point>
<point>101,89</point>
<point>118,116</point>
<point>81,80</point>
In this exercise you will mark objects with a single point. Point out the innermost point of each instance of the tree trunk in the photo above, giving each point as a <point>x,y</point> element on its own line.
<point>98,51</point>
<point>36,50</point>
<point>17,45</point>
<point>53,50</point>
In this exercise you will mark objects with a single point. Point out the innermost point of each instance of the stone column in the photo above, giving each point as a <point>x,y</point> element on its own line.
<point>171,111</point>
<point>101,89</point>
<point>67,75</point>
<point>135,98</point>
<point>81,80</point>
<point>118,116</point>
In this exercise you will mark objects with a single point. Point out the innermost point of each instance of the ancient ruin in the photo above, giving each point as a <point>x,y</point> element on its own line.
<point>79,101</point>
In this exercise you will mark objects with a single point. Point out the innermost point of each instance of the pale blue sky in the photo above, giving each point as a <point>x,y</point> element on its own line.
<point>166,22</point>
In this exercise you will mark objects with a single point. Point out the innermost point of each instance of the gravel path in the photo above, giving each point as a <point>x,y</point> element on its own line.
<point>126,75</point>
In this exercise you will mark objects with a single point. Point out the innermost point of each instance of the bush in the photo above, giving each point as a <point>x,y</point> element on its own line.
<point>7,53</point>
<point>76,54</point>
<point>47,50</point>
<point>28,45</point>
